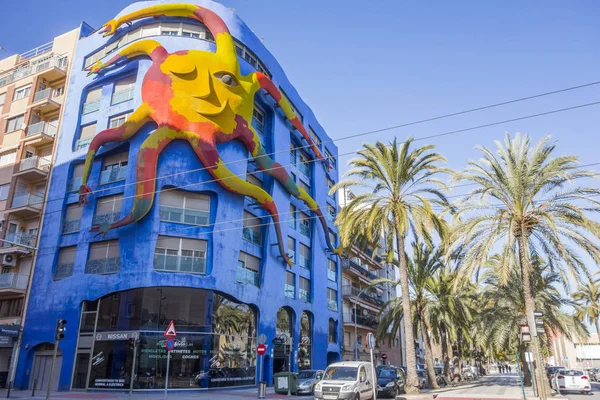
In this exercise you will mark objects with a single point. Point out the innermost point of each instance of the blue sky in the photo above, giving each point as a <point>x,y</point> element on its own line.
<point>364,66</point>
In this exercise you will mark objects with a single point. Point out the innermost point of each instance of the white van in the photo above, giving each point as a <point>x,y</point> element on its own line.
<point>346,380</point>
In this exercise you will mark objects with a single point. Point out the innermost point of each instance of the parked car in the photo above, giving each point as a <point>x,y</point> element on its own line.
<point>423,380</point>
<point>571,380</point>
<point>307,380</point>
<point>346,380</point>
<point>596,374</point>
<point>550,371</point>
<point>390,381</point>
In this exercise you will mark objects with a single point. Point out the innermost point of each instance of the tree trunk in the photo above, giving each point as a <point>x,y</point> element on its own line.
<point>597,328</point>
<point>538,372</point>
<point>412,381</point>
<point>445,355</point>
<point>428,356</point>
<point>524,366</point>
<point>459,351</point>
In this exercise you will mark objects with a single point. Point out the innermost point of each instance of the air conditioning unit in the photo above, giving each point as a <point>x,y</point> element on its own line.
<point>9,260</point>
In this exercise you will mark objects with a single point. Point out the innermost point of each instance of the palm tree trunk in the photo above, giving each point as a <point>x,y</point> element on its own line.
<point>530,308</point>
<point>445,355</point>
<point>524,367</point>
<point>428,356</point>
<point>412,381</point>
<point>597,328</point>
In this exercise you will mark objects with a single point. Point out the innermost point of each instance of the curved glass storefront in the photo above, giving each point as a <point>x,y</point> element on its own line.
<point>216,338</point>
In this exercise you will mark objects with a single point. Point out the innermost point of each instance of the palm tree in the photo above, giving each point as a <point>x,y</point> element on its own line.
<point>587,298</point>
<point>534,208</point>
<point>399,188</point>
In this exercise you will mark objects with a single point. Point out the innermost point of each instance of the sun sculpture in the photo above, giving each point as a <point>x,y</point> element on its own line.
<point>200,97</point>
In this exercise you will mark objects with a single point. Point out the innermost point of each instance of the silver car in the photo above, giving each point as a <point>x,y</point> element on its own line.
<point>307,380</point>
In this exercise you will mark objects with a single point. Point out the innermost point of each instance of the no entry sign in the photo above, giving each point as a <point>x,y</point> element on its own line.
<point>384,356</point>
<point>261,349</point>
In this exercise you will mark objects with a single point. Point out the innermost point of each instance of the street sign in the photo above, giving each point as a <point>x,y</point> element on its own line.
<point>261,349</point>
<point>524,329</point>
<point>540,330</point>
<point>526,337</point>
<point>370,341</point>
<point>538,314</point>
<point>262,338</point>
<point>539,322</point>
<point>170,331</point>
<point>384,356</point>
<point>529,357</point>
<point>170,343</point>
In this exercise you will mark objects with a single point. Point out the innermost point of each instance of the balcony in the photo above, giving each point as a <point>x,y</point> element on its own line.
<point>369,320</point>
<point>103,266</point>
<point>51,67</point>
<point>90,107</point>
<point>351,291</point>
<point>26,205</point>
<point>33,168</point>
<point>172,263</point>
<point>13,282</point>
<point>353,267</point>
<point>63,271</point>
<point>243,275</point>
<point>183,216</point>
<point>304,295</point>
<point>252,236</point>
<point>106,218</point>
<point>305,229</point>
<point>332,305</point>
<point>113,175</point>
<point>40,134</point>
<point>121,96</point>
<point>44,102</point>
<point>72,226</point>
<point>25,239</point>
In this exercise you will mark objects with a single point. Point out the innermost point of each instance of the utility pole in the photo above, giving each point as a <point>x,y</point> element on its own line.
<point>538,357</point>
<point>58,336</point>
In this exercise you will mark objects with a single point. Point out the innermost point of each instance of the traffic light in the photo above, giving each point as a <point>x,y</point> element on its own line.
<point>60,329</point>
<point>131,343</point>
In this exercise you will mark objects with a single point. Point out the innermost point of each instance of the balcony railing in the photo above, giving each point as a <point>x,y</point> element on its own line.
<point>184,216</point>
<point>34,162</point>
<point>304,262</point>
<point>26,239</point>
<point>369,320</point>
<point>103,266</point>
<point>331,275</point>
<point>13,281</point>
<point>27,199</point>
<point>168,263</point>
<point>350,265</point>
<point>34,67</point>
<point>290,291</point>
<point>83,143</point>
<point>121,96</point>
<point>252,236</point>
<point>113,175</point>
<point>71,226</point>
<point>332,305</point>
<point>41,127</point>
<point>42,95</point>
<point>305,229</point>
<point>63,271</point>
<point>244,275</point>
<point>91,107</point>
<point>106,218</point>
<point>304,295</point>
<point>368,297</point>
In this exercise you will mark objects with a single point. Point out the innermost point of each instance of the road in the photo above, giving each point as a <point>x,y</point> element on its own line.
<point>496,386</point>
<point>578,396</point>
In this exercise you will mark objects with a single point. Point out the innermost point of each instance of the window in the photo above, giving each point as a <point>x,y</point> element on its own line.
<point>114,168</point>
<point>304,289</point>
<point>87,134</point>
<point>258,120</point>
<point>251,177</point>
<point>104,258</point>
<point>304,166</point>
<point>4,191</point>
<point>118,120</point>
<point>8,158</point>
<point>331,158</point>
<point>2,99</point>
<point>346,338</point>
<point>108,209</point>
<point>304,186</point>
<point>76,178</point>
<point>330,212</point>
<point>332,238</point>
<point>332,336</point>
<point>184,207</point>
<point>66,261</point>
<point>332,270</point>
<point>174,254</point>
<point>247,269</point>
<point>330,185</point>
<point>291,243</point>
<point>11,308</point>
<point>251,230</point>
<point>59,91</point>
<point>169,29</point>
<point>290,285</point>
<point>92,101</point>
<point>123,90</point>
<point>72,218</point>
<point>21,93</point>
<point>293,152</point>
<point>304,224</point>
<point>314,137</point>
<point>304,258</point>
<point>332,299</point>
<point>15,123</point>
<point>292,217</point>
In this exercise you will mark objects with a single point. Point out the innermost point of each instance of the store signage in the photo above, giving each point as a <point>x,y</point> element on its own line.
<point>6,341</point>
<point>110,336</point>
<point>9,330</point>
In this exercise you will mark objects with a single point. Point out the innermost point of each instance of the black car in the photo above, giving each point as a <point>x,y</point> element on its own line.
<point>390,381</point>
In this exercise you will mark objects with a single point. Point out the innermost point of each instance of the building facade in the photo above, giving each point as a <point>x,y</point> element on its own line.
<point>32,93</point>
<point>575,353</point>
<point>164,232</point>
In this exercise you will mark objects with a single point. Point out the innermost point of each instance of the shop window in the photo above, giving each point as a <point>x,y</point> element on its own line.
<point>184,207</point>
<point>104,258</point>
<point>173,254</point>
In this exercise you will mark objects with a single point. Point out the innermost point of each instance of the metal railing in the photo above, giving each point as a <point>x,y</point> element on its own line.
<point>34,67</point>
<point>38,50</point>
<point>121,96</point>
<point>369,320</point>
<point>113,175</point>
<point>42,95</point>
<point>172,263</point>
<point>41,127</point>
<point>13,280</point>
<point>305,229</point>
<point>332,305</point>
<point>63,271</point>
<point>350,265</point>
<point>356,292</point>
<point>27,199</point>
<point>72,226</point>
<point>304,262</point>
<point>26,239</point>
<point>184,216</point>
<point>106,218</point>
<point>34,162</point>
<point>252,236</point>
<point>83,143</point>
<point>290,291</point>
<point>103,266</point>
<point>304,295</point>
<point>244,275</point>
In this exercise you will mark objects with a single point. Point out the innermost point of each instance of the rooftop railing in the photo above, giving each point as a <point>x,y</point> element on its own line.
<point>34,67</point>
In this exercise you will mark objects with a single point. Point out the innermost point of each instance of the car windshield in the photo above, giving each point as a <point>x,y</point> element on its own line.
<point>386,373</point>
<point>341,373</point>
<point>306,375</point>
<point>570,372</point>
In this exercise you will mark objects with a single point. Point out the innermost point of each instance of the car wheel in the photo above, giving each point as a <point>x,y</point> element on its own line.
<point>395,392</point>
<point>356,396</point>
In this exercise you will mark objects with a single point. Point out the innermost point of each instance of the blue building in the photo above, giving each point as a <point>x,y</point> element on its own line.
<point>203,257</point>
